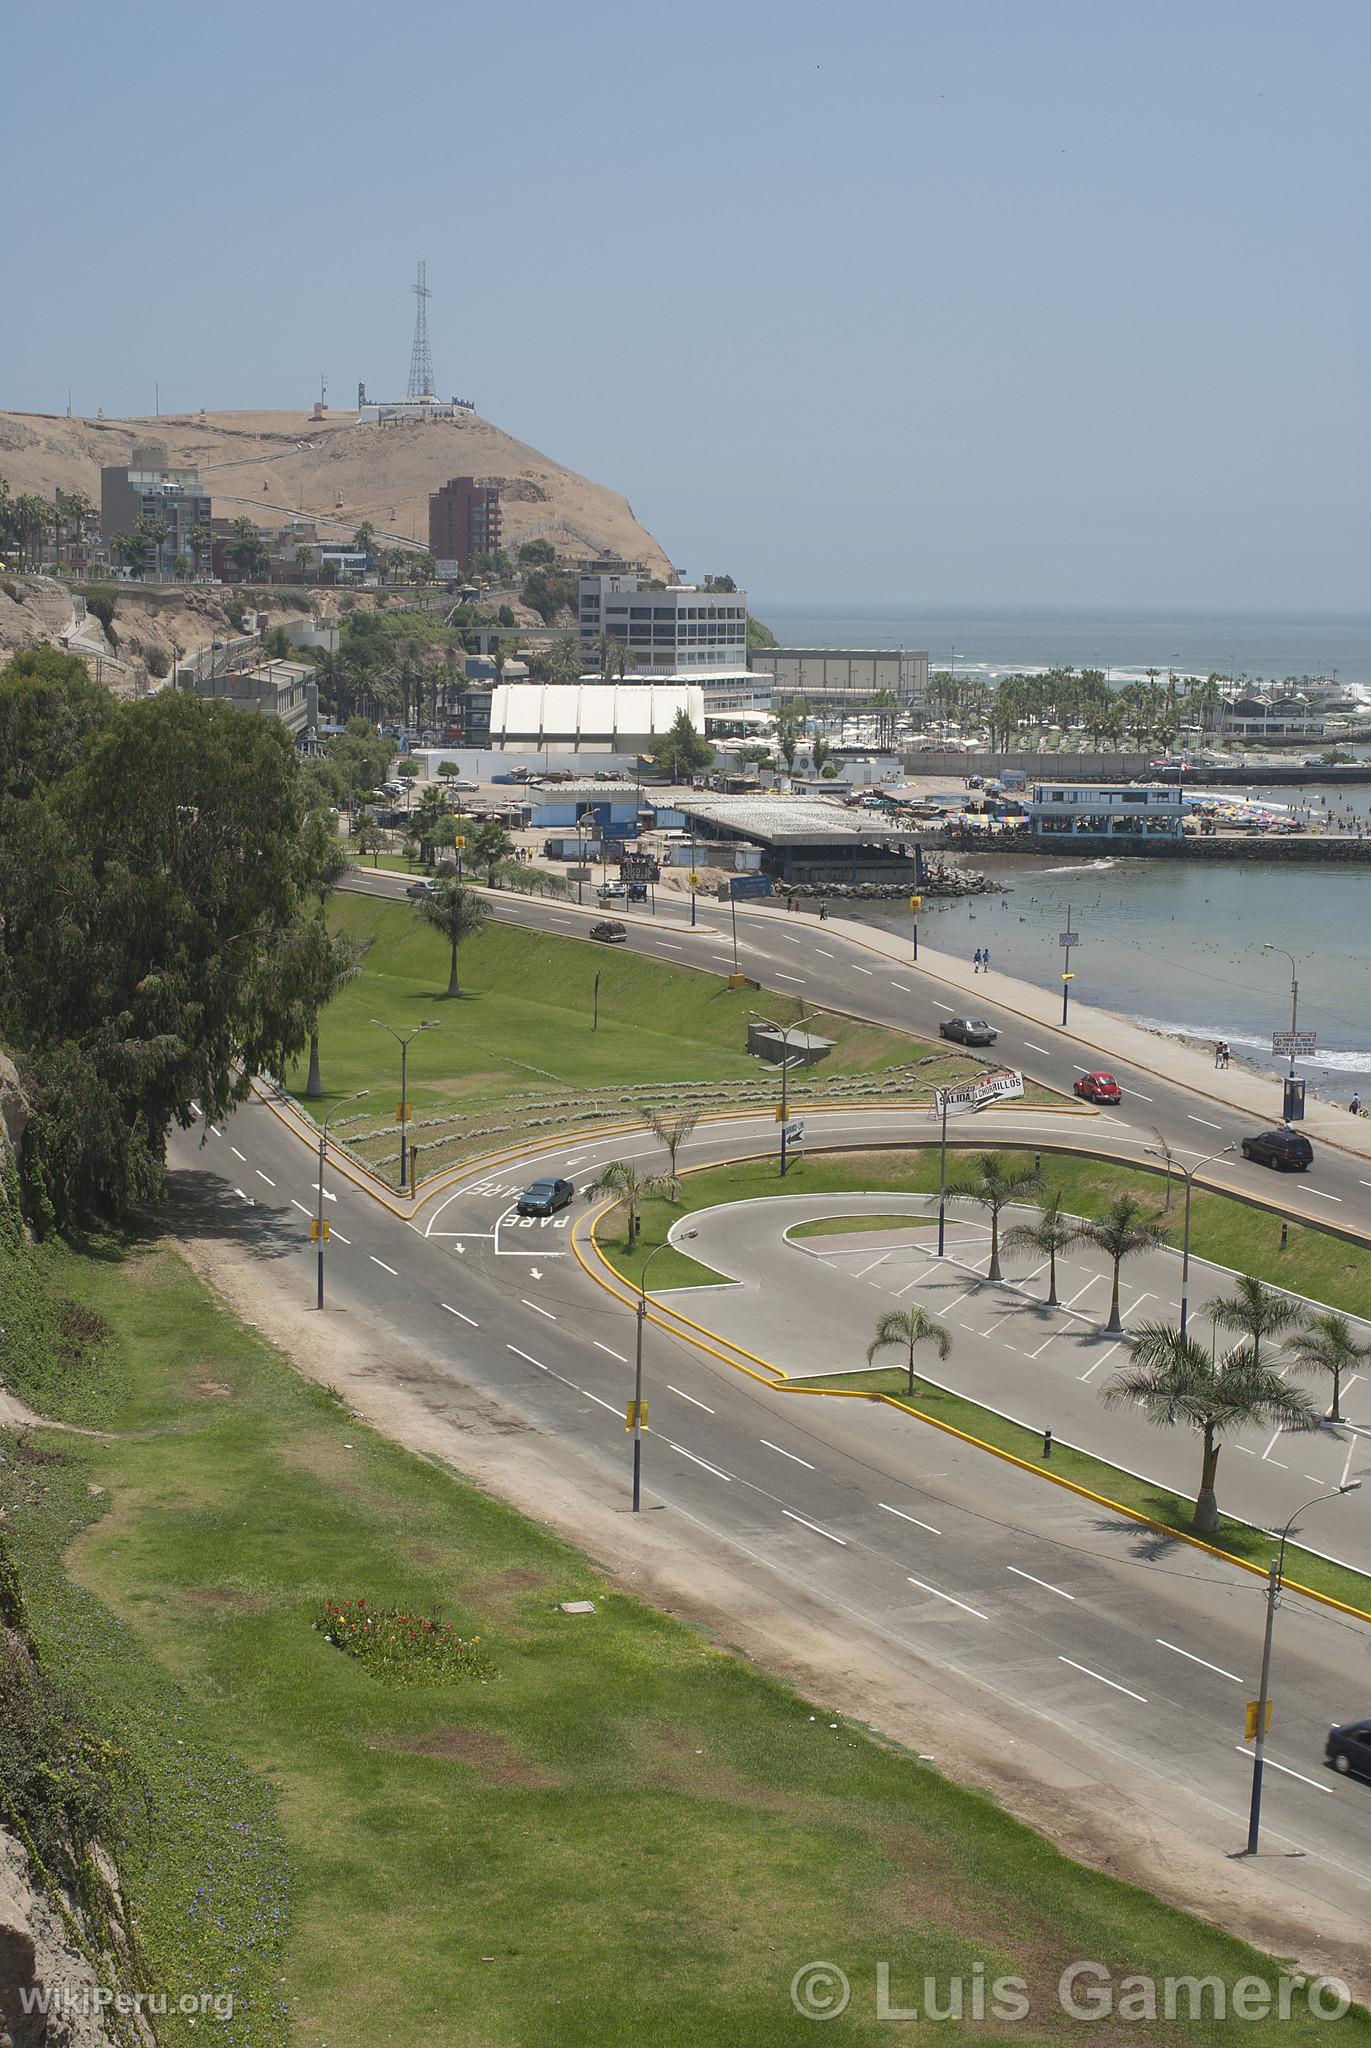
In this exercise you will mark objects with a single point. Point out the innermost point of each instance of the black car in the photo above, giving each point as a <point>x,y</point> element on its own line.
<point>1349,1749</point>
<point>968,1030</point>
<point>1288,1151</point>
<point>610,931</point>
<point>544,1198</point>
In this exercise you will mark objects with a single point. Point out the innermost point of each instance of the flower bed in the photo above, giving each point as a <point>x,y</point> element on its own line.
<point>406,1649</point>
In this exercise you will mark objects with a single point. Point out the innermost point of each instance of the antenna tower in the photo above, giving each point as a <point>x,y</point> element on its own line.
<point>420,361</point>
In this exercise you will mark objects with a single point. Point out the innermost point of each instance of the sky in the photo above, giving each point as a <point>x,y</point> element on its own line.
<point>1001,302</point>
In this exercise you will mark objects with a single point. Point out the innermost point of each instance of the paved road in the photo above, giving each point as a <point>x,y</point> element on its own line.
<point>1129,1655</point>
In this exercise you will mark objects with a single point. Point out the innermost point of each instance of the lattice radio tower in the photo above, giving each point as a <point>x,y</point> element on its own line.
<point>420,361</point>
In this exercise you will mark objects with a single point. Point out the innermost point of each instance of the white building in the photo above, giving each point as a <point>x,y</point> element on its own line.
<point>680,632</point>
<point>1085,811</point>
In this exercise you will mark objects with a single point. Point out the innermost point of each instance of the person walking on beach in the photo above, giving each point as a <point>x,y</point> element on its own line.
<point>976,961</point>
<point>1355,1105</point>
<point>1218,1052</point>
<point>985,959</point>
<point>823,913</point>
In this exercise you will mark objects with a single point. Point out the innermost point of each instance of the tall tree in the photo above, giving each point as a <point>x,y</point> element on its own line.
<point>1125,1229</point>
<point>996,1179</point>
<point>904,1329</point>
<point>673,1132</point>
<point>1177,1384</point>
<point>621,1177</point>
<point>491,845</point>
<point>457,913</point>
<point>1046,1237</point>
<point>1256,1312</point>
<point>1325,1344</point>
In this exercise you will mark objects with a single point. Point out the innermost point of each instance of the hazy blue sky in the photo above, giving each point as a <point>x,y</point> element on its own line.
<point>997,301</point>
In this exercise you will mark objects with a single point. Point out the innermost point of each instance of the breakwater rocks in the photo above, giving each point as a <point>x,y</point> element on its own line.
<point>940,878</point>
<point>1275,850</point>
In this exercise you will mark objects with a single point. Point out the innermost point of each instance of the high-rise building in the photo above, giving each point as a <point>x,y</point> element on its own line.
<point>680,631</point>
<point>173,499</point>
<point>464,521</point>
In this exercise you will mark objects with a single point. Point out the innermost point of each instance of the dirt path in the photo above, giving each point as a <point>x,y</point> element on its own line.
<point>1035,1772</point>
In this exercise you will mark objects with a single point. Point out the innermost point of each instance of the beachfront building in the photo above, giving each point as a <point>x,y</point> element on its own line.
<point>680,631</point>
<point>1100,811</point>
<point>1291,717</point>
<point>835,677</point>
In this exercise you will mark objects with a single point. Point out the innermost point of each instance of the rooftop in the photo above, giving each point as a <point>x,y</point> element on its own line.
<point>791,820</point>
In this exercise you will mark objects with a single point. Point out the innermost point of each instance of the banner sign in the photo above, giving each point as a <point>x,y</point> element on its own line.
<point>1294,1041</point>
<point>978,1094</point>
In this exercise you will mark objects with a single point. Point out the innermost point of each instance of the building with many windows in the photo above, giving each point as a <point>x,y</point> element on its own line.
<point>464,521</point>
<point>1085,811</point>
<point>174,500</point>
<point>680,632</point>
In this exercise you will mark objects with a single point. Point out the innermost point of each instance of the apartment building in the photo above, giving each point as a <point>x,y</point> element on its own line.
<point>680,632</point>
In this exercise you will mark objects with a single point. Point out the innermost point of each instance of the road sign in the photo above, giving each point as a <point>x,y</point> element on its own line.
<point>1068,938</point>
<point>402,1112</point>
<point>1249,1728</point>
<point>694,878</point>
<point>635,1412</point>
<point>318,1229</point>
<point>460,840</point>
<point>977,1094</point>
<point>1294,1042</point>
<point>795,1131</point>
<point>916,904</point>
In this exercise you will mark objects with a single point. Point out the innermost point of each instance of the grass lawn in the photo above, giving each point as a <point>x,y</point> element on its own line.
<point>1230,1232</point>
<point>520,1049</point>
<point>620,1835</point>
<point>848,1226</point>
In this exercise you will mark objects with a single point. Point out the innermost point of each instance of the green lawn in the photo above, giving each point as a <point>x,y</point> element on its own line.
<point>849,1226</point>
<point>623,1834</point>
<point>520,1050</point>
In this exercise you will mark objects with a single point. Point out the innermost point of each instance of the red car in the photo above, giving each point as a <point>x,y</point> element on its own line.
<point>1099,1088</point>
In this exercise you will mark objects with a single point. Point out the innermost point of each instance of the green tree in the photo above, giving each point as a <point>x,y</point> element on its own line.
<point>1046,1237</point>
<point>247,550</point>
<point>49,708</point>
<point>364,540</point>
<point>673,1132</point>
<point>1176,1383</point>
<point>458,914</point>
<point>370,839</point>
<point>491,845</point>
<point>535,554</point>
<point>904,1329</point>
<point>819,751</point>
<point>683,752</point>
<point>620,1177</point>
<point>1325,1344</point>
<point>788,742</point>
<point>1256,1312</point>
<point>201,541</point>
<point>1125,1229</point>
<point>429,813</point>
<point>996,1179</point>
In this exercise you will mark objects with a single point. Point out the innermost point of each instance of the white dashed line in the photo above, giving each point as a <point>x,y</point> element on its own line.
<point>1039,1049</point>
<point>1044,1583</point>
<point>902,987</point>
<point>824,950</point>
<point>1111,1682</point>
<point>608,1353</point>
<point>239,1155</point>
<point>942,1006</point>
<point>1141,1097</point>
<point>536,1310</point>
<point>767,1444</point>
<point>264,1176</point>
<point>301,1207</point>
<point>592,1397</point>
<point>216,1130</point>
<point>527,1356</point>
<point>1321,1195</point>
<point>340,1237</point>
<point>460,1312</point>
<point>790,977</point>
<point>1208,1122</point>
<point>908,1518</point>
<point>841,1541</point>
<point>949,1599</point>
<point>687,1397</point>
<point>1190,1654</point>
<point>1272,1765</point>
<point>682,1452</point>
<point>382,1264</point>
<point>327,1196</point>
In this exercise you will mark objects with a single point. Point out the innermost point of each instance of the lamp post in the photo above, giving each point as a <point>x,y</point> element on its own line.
<point>1273,1587</point>
<point>784,1031</point>
<point>319,1206</point>
<point>1189,1173</point>
<point>1267,947</point>
<point>637,1418</point>
<point>942,1175</point>
<point>402,1039</point>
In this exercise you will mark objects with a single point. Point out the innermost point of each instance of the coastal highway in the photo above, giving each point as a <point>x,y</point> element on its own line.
<point>1101,1657</point>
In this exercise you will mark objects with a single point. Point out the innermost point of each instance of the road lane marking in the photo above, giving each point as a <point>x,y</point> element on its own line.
<point>1099,1361</point>
<point>858,970</point>
<point>239,1155</point>
<point>324,1191</point>
<point>536,1310</point>
<point>242,1194</point>
<point>1043,1346</point>
<point>824,950</point>
<point>531,1360</point>
<point>1141,1097</point>
<point>1272,1765</point>
<point>196,1107</point>
<point>949,1599</point>
<point>612,1354</point>
<point>1199,1660</point>
<point>589,1396</point>
<point>1044,1583</point>
<point>301,1207</point>
<point>681,1451</point>
<point>462,1313</point>
<point>864,1270</point>
<point>1321,1195</point>
<point>382,1264</point>
<point>264,1176</point>
<point>768,1445</point>
<point>683,1395</point>
<point>1040,1049</point>
<point>340,1237</point>
<point>216,1130</point>
<point>1112,1682</point>
<point>908,1518</point>
<point>790,977</point>
<point>1208,1122</point>
<point>942,1006</point>
<point>907,991</point>
<point>841,1541</point>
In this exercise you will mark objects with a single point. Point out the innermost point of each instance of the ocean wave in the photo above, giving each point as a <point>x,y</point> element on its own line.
<point>1329,1059</point>
<point>1086,867</point>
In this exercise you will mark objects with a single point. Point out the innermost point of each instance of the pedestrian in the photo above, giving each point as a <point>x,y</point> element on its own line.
<point>1225,1054</point>
<point>976,961</point>
<point>823,913</point>
<point>1355,1105</point>
<point>1218,1052</point>
<point>985,958</point>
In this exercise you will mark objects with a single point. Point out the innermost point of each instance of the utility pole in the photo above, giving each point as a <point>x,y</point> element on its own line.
<point>320,1230</point>
<point>402,1039</point>
<point>942,1175</point>
<point>1067,936</point>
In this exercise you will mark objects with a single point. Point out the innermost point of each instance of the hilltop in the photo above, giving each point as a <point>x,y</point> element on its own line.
<point>270,466</point>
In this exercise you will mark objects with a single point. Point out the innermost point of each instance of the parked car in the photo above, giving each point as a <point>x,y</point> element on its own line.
<point>610,931</point>
<point>420,888</point>
<point>544,1197</point>
<point>1348,1749</point>
<point>968,1030</point>
<point>1286,1150</point>
<point>608,891</point>
<point>1099,1088</point>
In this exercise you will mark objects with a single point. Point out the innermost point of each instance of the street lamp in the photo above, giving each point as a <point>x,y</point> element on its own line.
<point>1189,1173</point>
<point>319,1217</point>
<point>1267,947</point>
<point>638,1371</point>
<point>784,1031</point>
<point>1273,1586</point>
<point>402,1039</point>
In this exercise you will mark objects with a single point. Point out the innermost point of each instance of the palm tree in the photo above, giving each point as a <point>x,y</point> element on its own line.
<point>429,812</point>
<point>340,962</point>
<point>1051,1235</point>
<point>1326,1344</point>
<point>673,1132</point>
<point>458,914</point>
<point>491,845</point>
<point>620,1177</point>
<point>1175,1380</point>
<point>998,1178</point>
<point>1125,1229</point>
<point>903,1328</point>
<point>332,864</point>
<point>1256,1312</point>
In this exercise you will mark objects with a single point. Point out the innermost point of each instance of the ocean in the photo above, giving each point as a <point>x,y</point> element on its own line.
<point>992,642</point>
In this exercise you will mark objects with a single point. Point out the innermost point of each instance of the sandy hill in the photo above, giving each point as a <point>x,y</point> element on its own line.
<point>336,471</point>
